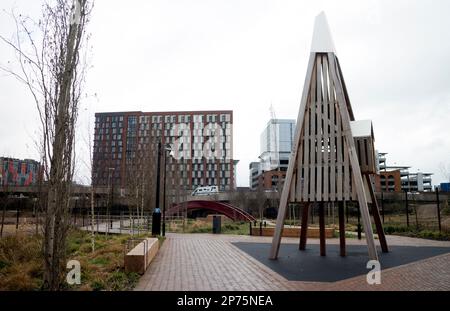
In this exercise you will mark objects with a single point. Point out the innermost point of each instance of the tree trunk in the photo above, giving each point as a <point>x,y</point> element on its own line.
<point>3,217</point>
<point>92,218</point>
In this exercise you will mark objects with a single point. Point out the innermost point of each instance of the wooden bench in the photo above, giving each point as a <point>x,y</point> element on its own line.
<point>140,257</point>
<point>293,232</point>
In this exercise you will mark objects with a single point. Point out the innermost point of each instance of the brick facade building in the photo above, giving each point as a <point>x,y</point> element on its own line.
<point>201,144</point>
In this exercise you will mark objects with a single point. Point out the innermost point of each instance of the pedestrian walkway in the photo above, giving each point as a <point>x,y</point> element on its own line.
<point>206,262</point>
<point>118,227</point>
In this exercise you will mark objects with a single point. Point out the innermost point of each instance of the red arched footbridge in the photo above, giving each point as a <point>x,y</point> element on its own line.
<point>222,208</point>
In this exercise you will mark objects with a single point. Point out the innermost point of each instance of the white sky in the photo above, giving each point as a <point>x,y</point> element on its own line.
<point>243,55</point>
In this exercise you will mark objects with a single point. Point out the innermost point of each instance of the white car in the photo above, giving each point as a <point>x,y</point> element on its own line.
<point>205,191</point>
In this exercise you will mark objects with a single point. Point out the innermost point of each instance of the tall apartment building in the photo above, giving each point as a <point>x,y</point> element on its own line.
<point>15,172</point>
<point>276,146</point>
<point>201,144</point>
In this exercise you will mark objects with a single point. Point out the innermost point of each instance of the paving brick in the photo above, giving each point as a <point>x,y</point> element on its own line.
<point>206,262</point>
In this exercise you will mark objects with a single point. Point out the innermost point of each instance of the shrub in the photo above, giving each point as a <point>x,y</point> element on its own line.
<point>98,285</point>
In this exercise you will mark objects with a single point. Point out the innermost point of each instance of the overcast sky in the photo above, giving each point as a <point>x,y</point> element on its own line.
<point>243,55</point>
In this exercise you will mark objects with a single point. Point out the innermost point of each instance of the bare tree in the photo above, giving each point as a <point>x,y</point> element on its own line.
<point>260,200</point>
<point>140,175</point>
<point>4,200</point>
<point>89,165</point>
<point>52,67</point>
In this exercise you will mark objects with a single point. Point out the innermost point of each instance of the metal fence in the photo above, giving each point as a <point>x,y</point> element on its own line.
<point>404,211</point>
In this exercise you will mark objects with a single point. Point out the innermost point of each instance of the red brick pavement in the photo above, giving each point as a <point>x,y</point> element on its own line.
<point>205,262</point>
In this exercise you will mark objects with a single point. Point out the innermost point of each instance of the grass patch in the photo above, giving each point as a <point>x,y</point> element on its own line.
<point>21,266</point>
<point>202,226</point>
<point>415,232</point>
<point>236,228</point>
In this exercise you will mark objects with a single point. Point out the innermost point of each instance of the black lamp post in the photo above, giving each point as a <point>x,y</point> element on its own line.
<point>157,216</point>
<point>167,147</point>
<point>111,194</point>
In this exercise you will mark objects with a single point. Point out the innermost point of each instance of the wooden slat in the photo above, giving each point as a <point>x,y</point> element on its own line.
<point>319,130</point>
<point>354,195</point>
<point>339,148</point>
<point>341,228</point>
<point>326,132</point>
<point>344,113</point>
<point>362,158</point>
<point>306,147</point>
<point>371,156</point>
<point>292,186</point>
<point>346,171</point>
<point>285,193</point>
<point>298,185</point>
<point>312,151</point>
<point>332,140</point>
<point>376,215</point>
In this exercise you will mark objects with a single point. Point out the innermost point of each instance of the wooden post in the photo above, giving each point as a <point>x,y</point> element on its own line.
<point>376,216</point>
<point>304,227</point>
<point>359,223</point>
<point>438,209</point>
<point>350,144</point>
<point>346,212</point>
<point>341,229</point>
<point>406,208</point>
<point>323,251</point>
<point>290,172</point>
<point>17,217</point>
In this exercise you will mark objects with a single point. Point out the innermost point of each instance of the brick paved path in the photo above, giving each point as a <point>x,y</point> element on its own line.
<point>205,262</point>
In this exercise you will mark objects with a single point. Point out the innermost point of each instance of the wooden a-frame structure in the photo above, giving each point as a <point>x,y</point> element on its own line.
<point>328,162</point>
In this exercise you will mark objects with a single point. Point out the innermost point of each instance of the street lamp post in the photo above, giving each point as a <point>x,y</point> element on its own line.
<point>110,205</point>
<point>167,147</point>
<point>156,226</point>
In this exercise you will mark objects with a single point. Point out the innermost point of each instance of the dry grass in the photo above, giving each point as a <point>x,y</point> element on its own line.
<point>20,268</point>
<point>21,262</point>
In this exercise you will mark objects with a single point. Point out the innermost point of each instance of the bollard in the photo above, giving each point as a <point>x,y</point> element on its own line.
<point>217,224</point>
<point>260,229</point>
<point>156,223</point>
<point>17,219</point>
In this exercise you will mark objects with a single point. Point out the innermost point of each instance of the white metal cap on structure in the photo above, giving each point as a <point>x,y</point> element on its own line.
<point>322,42</point>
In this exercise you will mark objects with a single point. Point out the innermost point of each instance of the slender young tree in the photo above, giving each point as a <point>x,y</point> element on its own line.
<point>52,67</point>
